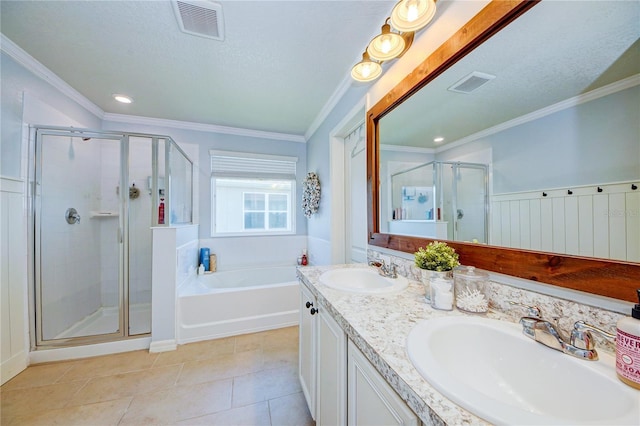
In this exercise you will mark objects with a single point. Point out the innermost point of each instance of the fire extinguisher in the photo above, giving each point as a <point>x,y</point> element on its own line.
<point>161,212</point>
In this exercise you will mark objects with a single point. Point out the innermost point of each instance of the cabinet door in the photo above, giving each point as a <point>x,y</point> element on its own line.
<point>332,372</point>
<point>307,352</point>
<point>371,401</point>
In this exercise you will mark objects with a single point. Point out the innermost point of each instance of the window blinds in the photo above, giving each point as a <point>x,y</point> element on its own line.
<point>242,164</point>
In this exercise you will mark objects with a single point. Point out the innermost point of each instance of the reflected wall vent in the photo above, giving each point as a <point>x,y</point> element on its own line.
<point>471,82</point>
<point>200,17</point>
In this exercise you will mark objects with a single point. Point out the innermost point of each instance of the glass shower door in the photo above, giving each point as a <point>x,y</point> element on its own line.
<point>78,229</point>
<point>469,209</point>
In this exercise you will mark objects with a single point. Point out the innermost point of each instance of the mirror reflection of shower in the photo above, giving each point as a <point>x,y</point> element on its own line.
<point>441,200</point>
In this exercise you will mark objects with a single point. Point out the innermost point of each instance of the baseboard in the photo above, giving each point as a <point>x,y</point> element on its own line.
<point>12,366</point>
<point>163,346</point>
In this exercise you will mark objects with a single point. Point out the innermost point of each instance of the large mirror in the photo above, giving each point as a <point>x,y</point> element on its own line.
<point>528,141</point>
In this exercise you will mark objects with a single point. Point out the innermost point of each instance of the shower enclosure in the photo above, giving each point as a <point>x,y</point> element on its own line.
<point>94,198</point>
<point>443,200</point>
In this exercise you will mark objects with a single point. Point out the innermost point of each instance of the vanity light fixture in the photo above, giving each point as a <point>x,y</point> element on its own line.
<point>387,45</point>
<point>122,98</point>
<point>412,15</point>
<point>407,17</point>
<point>366,70</point>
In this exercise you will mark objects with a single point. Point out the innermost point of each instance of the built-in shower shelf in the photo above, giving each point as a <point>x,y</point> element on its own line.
<point>102,214</point>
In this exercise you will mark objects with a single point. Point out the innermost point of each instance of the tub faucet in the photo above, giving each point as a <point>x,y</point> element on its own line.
<point>581,343</point>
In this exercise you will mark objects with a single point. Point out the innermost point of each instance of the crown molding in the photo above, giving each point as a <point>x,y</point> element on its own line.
<point>600,92</point>
<point>411,149</point>
<point>335,97</point>
<point>31,64</point>
<point>201,127</point>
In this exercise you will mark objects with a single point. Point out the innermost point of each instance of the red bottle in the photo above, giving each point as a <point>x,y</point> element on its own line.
<point>161,212</point>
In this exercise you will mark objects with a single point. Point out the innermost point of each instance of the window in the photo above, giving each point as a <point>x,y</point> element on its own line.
<point>252,194</point>
<point>266,211</point>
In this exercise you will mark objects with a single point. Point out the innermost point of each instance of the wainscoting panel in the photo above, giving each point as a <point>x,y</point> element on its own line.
<point>601,221</point>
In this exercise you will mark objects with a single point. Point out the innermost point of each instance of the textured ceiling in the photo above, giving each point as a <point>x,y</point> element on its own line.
<point>278,66</point>
<point>555,51</point>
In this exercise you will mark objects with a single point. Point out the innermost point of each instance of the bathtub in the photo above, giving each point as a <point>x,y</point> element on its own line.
<point>240,301</point>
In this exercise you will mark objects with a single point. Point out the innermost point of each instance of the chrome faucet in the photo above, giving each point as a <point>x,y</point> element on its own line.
<point>389,271</point>
<point>580,344</point>
<point>532,311</point>
<point>582,338</point>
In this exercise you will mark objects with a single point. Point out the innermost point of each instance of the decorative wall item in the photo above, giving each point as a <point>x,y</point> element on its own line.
<point>310,194</point>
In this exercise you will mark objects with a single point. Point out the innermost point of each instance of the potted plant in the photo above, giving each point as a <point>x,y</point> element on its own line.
<point>436,261</point>
<point>437,256</point>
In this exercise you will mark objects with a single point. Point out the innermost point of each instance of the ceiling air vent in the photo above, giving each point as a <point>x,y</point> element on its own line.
<point>471,82</point>
<point>199,17</point>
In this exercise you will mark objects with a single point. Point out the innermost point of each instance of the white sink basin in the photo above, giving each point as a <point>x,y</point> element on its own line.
<point>490,368</point>
<point>362,280</point>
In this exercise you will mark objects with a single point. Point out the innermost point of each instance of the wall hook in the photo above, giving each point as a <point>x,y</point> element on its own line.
<point>544,194</point>
<point>599,189</point>
<point>570,192</point>
<point>634,186</point>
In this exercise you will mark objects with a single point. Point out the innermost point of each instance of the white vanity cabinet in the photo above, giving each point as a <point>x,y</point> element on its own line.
<point>340,385</point>
<point>322,362</point>
<point>307,360</point>
<point>331,403</point>
<point>371,400</point>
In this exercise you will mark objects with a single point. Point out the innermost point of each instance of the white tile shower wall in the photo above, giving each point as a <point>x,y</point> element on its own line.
<point>568,311</point>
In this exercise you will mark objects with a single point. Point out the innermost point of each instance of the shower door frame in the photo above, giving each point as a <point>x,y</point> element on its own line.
<point>454,204</point>
<point>439,183</point>
<point>35,175</point>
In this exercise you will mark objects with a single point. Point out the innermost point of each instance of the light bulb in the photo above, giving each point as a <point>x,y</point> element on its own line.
<point>366,70</point>
<point>385,44</point>
<point>412,15</point>
<point>412,12</point>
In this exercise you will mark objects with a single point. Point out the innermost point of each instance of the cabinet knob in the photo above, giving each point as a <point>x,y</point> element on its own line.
<point>309,304</point>
<point>313,311</point>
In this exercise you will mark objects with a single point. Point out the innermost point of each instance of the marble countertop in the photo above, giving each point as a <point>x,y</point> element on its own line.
<point>379,326</point>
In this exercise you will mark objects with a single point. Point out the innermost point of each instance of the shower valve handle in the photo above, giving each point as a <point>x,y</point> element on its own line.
<point>72,216</point>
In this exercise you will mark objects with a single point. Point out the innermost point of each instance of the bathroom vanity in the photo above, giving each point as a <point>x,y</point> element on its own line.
<point>339,382</point>
<point>355,368</point>
<point>353,364</point>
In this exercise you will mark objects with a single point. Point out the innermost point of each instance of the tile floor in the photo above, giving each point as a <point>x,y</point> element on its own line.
<point>243,380</point>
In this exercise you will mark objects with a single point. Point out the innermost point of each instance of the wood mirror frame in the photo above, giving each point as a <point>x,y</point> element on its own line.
<point>615,279</point>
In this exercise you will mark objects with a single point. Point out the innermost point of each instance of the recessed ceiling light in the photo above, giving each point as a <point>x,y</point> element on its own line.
<point>438,139</point>
<point>122,98</point>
